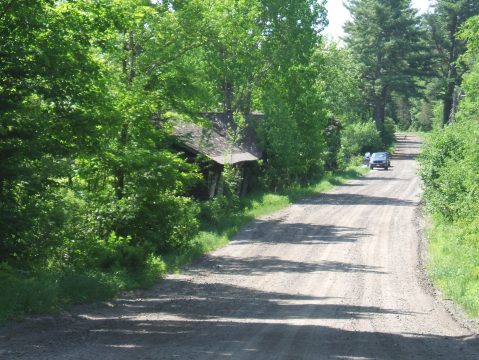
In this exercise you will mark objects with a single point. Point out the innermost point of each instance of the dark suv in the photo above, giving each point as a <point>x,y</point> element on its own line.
<point>379,159</point>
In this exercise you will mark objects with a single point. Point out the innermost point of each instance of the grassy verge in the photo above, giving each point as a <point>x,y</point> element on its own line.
<point>50,291</point>
<point>454,263</point>
<point>215,235</point>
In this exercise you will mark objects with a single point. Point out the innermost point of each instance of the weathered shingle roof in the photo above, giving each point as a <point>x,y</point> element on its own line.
<point>214,141</point>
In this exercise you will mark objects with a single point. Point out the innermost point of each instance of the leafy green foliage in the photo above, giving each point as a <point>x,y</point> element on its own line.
<point>442,170</point>
<point>449,161</point>
<point>339,83</point>
<point>454,263</point>
<point>81,158</point>
<point>444,23</point>
<point>51,84</point>
<point>450,173</point>
<point>359,138</point>
<point>91,191</point>
<point>386,40</point>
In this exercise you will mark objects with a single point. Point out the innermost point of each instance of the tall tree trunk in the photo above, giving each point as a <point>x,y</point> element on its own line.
<point>227,88</point>
<point>379,94</point>
<point>132,50</point>
<point>120,172</point>
<point>447,102</point>
<point>129,70</point>
<point>244,103</point>
<point>452,75</point>
<point>2,181</point>
<point>380,109</point>
<point>453,81</point>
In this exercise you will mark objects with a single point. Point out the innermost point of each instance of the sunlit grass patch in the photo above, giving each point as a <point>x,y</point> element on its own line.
<point>454,264</point>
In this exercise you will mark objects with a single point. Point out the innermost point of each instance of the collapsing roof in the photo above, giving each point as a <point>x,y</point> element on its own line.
<point>215,142</point>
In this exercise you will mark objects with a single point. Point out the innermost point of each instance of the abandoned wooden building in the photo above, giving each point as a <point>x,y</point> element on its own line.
<point>216,144</point>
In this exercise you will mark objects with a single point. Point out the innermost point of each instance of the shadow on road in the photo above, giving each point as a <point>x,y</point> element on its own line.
<point>210,321</point>
<point>197,301</point>
<point>378,178</point>
<point>403,156</point>
<point>278,232</point>
<point>409,143</point>
<point>269,265</point>
<point>357,199</point>
<point>349,185</point>
<point>232,340</point>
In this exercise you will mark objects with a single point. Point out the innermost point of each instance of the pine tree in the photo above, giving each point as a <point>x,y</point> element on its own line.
<point>386,39</point>
<point>444,23</point>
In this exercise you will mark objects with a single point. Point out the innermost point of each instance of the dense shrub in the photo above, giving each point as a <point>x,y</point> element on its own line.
<point>450,161</point>
<point>162,221</point>
<point>450,173</point>
<point>449,170</point>
<point>389,130</point>
<point>358,138</point>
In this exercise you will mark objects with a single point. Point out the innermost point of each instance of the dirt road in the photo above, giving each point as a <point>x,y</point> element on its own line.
<point>332,277</point>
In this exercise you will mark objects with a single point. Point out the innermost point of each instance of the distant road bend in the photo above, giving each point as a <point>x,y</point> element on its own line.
<point>331,277</point>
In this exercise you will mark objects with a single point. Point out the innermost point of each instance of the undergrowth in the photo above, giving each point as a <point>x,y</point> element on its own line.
<point>454,262</point>
<point>47,291</point>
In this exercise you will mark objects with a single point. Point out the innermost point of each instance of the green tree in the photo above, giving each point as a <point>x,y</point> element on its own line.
<point>339,83</point>
<point>449,164</point>
<point>80,156</point>
<point>449,167</point>
<point>386,39</point>
<point>51,89</point>
<point>444,23</point>
<point>295,119</point>
<point>136,183</point>
<point>231,57</point>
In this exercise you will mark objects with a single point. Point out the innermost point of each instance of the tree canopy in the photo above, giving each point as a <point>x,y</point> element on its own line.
<point>91,177</point>
<point>387,42</point>
<point>81,82</point>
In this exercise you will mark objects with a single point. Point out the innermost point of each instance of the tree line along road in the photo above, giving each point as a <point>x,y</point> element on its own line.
<point>331,277</point>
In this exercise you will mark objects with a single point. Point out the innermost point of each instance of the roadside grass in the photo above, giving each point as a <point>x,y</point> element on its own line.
<point>260,204</point>
<point>50,291</point>
<point>454,262</point>
<point>216,235</point>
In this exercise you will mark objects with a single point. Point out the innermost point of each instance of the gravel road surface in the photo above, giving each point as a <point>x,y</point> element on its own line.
<point>337,276</point>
